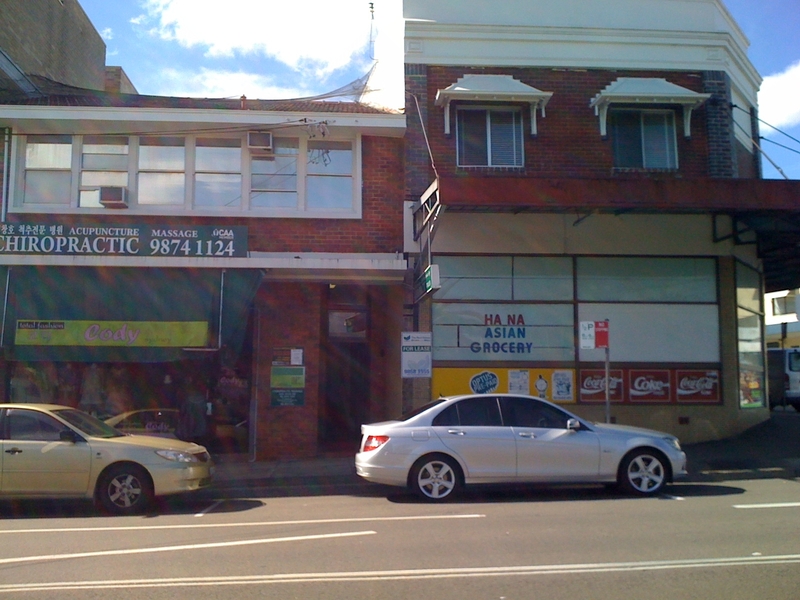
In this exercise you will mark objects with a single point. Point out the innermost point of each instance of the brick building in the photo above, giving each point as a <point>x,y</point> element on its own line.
<point>149,244</point>
<point>583,162</point>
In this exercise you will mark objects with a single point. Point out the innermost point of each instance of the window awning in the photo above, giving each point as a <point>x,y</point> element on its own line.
<point>492,88</point>
<point>647,90</point>
<point>169,304</point>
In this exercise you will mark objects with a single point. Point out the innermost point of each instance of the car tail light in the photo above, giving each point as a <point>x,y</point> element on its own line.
<point>373,442</point>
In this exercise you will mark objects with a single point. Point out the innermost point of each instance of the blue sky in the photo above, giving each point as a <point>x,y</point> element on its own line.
<point>269,49</point>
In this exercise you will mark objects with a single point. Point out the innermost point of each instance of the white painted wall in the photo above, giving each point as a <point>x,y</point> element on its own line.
<point>626,34</point>
<point>658,235</point>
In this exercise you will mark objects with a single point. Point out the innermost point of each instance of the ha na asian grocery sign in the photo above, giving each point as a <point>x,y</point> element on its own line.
<point>492,332</point>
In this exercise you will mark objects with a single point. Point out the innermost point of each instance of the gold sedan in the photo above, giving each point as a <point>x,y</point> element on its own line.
<point>53,451</point>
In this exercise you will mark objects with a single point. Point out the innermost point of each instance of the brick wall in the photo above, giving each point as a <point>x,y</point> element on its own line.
<point>289,317</point>
<point>54,39</point>
<point>568,144</point>
<point>379,230</point>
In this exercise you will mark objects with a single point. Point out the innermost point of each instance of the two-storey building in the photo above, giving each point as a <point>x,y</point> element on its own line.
<point>249,248</point>
<point>575,163</point>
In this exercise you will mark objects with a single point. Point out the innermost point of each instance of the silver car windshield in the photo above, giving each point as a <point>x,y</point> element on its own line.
<point>88,424</point>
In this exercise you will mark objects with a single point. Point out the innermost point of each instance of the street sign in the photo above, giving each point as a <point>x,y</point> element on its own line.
<point>594,334</point>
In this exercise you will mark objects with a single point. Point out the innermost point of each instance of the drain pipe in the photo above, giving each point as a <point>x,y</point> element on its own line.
<point>6,174</point>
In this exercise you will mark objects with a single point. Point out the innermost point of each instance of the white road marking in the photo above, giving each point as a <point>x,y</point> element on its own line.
<point>408,574</point>
<point>255,524</point>
<point>769,505</point>
<point>202,513</point>
<point>301,538</point>
<point>671,497</point>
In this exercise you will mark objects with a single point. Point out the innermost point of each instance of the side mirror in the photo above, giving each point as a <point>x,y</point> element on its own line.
<point>67,435</point>
<point>573,425</point>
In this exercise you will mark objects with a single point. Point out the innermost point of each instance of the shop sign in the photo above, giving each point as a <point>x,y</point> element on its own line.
<point>555,385</point>
<point>132,334</point>
<point>697,386</point>
<point>593,385</point>
<point>416,357</point>
<point>649,385</point>
<point>287,386</point>
<point>123,240</point>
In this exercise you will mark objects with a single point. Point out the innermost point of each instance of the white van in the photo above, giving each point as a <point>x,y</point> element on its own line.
<point>784,377</point>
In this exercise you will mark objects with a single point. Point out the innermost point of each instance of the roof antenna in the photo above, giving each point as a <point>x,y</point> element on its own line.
<point>371,29</point>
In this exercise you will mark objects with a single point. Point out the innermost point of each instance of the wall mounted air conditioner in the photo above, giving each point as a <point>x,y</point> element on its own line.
<point>114,197</point>
<point>259,141</point>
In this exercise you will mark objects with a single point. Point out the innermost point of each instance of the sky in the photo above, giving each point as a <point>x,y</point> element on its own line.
<point>269,49</point>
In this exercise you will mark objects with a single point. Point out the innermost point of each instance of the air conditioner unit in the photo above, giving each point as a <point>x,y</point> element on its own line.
<point>259,141</point>
<point>114,197</point>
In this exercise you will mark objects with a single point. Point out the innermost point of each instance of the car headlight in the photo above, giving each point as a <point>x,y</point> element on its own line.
<point>673,441</point>
<point>177,455</point>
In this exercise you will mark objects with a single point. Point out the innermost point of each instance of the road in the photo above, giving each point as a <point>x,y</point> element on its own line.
<point>732,540</point>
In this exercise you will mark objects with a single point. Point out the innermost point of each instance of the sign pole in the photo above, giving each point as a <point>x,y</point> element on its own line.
<point>608,386</point>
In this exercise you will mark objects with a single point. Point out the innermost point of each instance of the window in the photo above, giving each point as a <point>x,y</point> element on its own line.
<point>273,179</point>
<point>162,161</point>
<point>330,176</point>
<point>472,412</point>
<point>48,169</point>
<point>218,173</point>
<point>104,162</point>
<point>489,137</point>
<point>522,412</point>
<point>750,319</point>
<point>33,426</point>
<point>301,177</point>
<point>643,139</point>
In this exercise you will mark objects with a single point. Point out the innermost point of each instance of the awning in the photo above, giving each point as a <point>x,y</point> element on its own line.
<point>647,90</point>
<point>492,88</point>
<point>123,314</point>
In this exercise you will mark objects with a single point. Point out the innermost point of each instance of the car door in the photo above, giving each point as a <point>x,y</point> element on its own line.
<point>36,462</point>
<point>546,449</point>
<point>472,429</point>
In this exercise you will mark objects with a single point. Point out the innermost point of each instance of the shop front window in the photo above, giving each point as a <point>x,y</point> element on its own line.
<point>750,328</point>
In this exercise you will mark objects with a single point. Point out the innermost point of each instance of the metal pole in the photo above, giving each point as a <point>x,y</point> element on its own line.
<point>608,386</point>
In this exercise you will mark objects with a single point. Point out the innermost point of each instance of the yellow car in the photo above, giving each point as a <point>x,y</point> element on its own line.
<point>53,451</point>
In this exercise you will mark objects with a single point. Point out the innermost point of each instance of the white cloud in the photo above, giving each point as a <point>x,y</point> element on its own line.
<point>313,36</point>
<point>107,34</point>
<point>208,83</point>
<point>778,102</point>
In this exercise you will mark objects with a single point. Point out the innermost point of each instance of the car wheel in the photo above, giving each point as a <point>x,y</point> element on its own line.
<point>436,478</point>
<point>643,472</point>
<point>125,489</point>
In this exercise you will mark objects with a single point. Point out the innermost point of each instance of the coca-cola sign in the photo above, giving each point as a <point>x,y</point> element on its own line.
<point>593,385</point>
<point>697,385</point>
<point>649,385</point>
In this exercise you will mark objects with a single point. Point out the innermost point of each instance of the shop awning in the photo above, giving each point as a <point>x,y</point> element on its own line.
<point>93,314</point>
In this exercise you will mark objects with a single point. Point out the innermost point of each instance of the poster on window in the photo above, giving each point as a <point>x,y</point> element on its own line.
<point>555,385</point>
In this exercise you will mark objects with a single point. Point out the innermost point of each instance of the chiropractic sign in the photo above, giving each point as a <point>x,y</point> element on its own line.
<point>123,240</point>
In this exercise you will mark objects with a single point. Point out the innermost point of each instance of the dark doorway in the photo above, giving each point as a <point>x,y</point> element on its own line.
<point>347,370</point>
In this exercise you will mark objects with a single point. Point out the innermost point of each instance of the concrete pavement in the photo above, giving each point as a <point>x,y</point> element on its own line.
<point>771,449</point>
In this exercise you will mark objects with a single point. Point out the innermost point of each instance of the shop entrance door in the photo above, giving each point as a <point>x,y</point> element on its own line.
<point>346,395</point>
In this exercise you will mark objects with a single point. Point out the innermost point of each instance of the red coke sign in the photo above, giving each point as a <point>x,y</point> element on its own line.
<point>593,385</point>
<point>697,385</point>
<point>645,385</point>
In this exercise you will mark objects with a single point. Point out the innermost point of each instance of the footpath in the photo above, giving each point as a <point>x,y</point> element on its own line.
<point>768,450</point>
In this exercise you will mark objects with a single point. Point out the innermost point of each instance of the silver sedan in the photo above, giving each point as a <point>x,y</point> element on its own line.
<point>502,438</point>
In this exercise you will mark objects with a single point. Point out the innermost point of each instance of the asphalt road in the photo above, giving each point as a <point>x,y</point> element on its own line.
<point>705,540</point>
